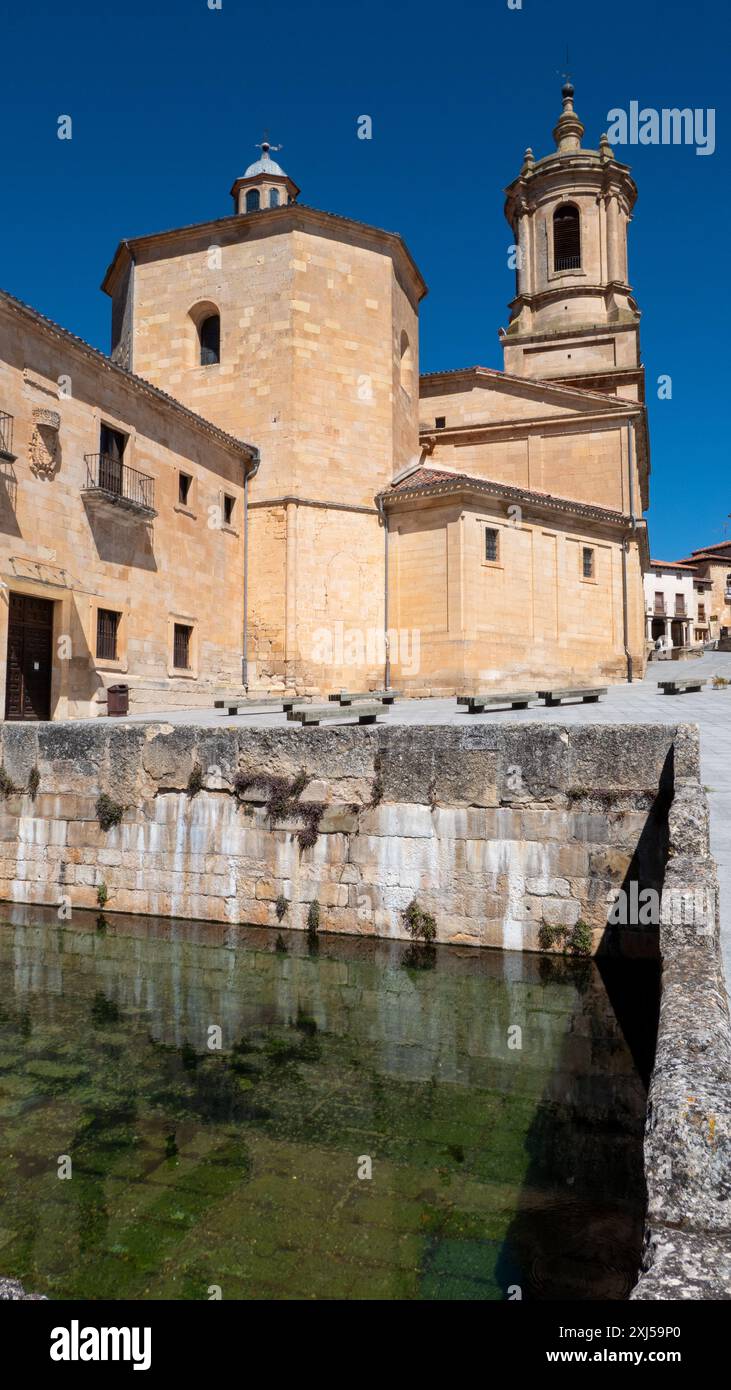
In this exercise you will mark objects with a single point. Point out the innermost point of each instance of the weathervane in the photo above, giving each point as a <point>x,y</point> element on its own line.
<point>265,146</point>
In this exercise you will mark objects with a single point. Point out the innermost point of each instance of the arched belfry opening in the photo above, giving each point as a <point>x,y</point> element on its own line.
<point>567,237</point>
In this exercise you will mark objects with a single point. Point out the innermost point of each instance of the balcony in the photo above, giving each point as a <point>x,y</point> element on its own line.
<point>680,611</point>
<point>567,263</point>
<point>6,436</point>
<point>110,481</point>
<point>659,611</point>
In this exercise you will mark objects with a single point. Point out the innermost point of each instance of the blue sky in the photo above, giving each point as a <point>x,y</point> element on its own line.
<point>168,100</point>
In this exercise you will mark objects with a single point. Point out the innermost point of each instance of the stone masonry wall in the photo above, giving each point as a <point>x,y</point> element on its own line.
<point>498,832</point>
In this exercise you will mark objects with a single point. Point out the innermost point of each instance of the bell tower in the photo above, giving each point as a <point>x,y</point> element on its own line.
<point>573,317</point>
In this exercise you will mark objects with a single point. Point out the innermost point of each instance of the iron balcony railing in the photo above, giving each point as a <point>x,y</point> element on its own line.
<point>659,611</point>
<point>680,611</point>
<point>567,263</point>
<point>6,433</point>
<point>120,484</point>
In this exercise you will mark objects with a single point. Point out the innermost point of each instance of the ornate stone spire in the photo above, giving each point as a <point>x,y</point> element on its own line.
<point>568,130</point>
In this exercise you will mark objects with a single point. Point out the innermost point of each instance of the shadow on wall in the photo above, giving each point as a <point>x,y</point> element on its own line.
<point>579,1245</point>
<point>8,500</point>
<point>128,543</point>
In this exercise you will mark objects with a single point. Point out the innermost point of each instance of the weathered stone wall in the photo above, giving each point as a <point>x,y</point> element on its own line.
<point>498,832</point>
<point>688,1134</point>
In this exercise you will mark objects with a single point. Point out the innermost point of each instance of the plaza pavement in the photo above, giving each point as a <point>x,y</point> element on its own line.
<point>639,703</point>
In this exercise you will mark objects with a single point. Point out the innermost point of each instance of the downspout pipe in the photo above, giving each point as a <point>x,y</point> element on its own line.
<point>625,548</point>
<point>251,468</point>
<point>387,651</point>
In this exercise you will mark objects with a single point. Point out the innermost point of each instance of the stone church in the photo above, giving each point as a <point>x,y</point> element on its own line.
<point>257,488</point>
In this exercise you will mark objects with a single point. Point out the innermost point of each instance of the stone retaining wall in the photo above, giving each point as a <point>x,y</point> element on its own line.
<point>503,833</point>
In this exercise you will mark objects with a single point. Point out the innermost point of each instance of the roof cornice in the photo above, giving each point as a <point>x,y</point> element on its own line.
<point>464,484</point>
<point>531,384</point>
<point>289,215</point>
<point>137,384</point>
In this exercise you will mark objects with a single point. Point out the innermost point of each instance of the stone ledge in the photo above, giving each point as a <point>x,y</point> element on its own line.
<point>684,1265</point>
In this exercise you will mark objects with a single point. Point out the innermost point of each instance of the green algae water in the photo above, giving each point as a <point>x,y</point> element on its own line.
<point>497,1101</point>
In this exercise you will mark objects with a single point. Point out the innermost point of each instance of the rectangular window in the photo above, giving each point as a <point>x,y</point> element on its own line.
<point>701,612</point>
<point>587,562</point>
<point>228,509</point>
<point>184,482</point>
<point>440,422</point>
<point>491,544</point>
<point>181,646</point>
<point>107,627</point>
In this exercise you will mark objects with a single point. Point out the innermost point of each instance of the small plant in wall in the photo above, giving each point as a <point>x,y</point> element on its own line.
<point>7,785</point>
<point>102,894</point>
<point>377,786</point>
<point>195,781</point>
<point>34,782</point>
<point>313,918</point>
<point>281,907</point>
<point>575,941</point>
<point>420,925</point>
<point>108,811</point>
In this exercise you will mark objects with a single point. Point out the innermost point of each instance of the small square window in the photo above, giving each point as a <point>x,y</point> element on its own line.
<point>107,627</point>
<point>588,562</point>
<point>184,485</point>
<point>491,544</point>
<point>181,646</point>
<point>440,422</point>
<point>228,509</point>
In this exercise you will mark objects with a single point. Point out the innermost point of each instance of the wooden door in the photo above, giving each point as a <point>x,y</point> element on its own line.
<point>30,658</point>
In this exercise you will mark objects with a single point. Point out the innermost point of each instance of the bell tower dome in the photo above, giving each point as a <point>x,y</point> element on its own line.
<point>573,317</point>
<point>264,184</point>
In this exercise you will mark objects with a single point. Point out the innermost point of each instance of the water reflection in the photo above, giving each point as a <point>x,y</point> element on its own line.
<point>494,1166</point>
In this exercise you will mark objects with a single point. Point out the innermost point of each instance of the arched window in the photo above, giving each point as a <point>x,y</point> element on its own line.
<point>210,340</point>
<point>274,197</point>
<point>566,238</point>
<point>406,370</point>
<point>253,201</point>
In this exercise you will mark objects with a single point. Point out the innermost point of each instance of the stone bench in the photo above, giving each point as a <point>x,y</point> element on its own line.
<point>252,706</point>
<point>350,697</point>
<point>588,694</point>
<point>313,714</point>
<point>682,685</point>
<point>516,699</point>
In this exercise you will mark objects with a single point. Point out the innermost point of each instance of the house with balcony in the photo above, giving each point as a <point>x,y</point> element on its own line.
<point>712,564</point>
<point>121,533</point>
<point>670,604</point>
